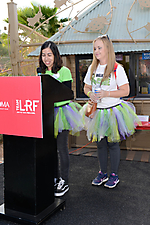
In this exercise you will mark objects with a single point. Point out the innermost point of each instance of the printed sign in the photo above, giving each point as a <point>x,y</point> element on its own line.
<point>146,55</point>
<point>21,106</point>
<point>119,57</point>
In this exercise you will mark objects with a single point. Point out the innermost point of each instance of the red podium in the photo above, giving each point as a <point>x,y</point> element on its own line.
<point>30,150</point>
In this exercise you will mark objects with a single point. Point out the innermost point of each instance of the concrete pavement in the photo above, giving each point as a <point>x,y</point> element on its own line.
<point>128,203</point>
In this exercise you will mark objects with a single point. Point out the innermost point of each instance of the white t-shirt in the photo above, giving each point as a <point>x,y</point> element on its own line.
<point>108,85</point>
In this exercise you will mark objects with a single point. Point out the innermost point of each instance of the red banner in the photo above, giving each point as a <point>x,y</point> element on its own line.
<point>21,106</point>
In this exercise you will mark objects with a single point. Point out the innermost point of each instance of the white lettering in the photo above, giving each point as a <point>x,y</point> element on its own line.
<point>21,109</point>
<point>28,105</point>
<point>34,104</point>
<point>4,104</point>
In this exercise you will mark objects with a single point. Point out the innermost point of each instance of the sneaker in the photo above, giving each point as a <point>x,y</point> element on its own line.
<point>62,188</point>
<point>101,178</point>
<point>56,182</point>
<point>113,181</point>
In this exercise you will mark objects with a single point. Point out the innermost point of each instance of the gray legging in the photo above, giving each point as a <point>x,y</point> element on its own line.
<point>114,151</point>
<point>63,155</point>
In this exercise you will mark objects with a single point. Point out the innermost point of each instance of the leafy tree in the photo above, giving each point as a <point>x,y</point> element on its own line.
<point>5,64</point>
<point>26,36</point>
<point>47,29</point>
<point>3,45</point>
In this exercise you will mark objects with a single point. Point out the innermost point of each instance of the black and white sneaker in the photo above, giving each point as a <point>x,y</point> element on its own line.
<point>62,188</point>
<point>56,182</point>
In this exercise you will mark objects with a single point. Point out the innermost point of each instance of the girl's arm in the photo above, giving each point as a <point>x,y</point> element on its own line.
<point>123,91</point>
<point>89,93</point>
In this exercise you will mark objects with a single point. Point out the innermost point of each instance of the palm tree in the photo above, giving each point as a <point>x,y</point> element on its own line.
<point>47,29</point>
<point>29,36</point>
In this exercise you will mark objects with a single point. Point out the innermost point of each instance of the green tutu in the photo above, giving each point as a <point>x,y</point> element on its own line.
<point>67,117</point>
<point>115,123</point>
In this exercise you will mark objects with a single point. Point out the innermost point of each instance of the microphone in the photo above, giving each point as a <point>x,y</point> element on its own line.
<point>39,71</point>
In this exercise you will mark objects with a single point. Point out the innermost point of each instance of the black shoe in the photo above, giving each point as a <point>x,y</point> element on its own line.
<point>62,188</point>
<point>56,182</point>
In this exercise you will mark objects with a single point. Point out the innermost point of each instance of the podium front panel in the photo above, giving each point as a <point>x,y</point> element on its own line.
<point>21,106</point>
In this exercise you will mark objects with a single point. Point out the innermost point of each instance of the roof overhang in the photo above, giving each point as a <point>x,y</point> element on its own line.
<point>86,47</point>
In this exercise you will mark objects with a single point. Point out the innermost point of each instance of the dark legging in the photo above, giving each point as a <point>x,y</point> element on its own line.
<point>114,151</point>
<point>63,154</point>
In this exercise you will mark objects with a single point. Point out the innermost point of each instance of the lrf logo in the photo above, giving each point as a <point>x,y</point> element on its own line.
<point>28,107</point>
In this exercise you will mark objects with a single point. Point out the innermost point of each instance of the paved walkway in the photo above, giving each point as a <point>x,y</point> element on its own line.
<point>128,203</point>
<point>131,155</point>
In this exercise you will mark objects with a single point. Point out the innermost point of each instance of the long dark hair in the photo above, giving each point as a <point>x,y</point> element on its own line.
<point>58,63</point>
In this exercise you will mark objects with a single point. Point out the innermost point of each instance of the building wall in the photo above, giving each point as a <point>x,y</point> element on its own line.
<point>69,61</point>
<point>142,107</point>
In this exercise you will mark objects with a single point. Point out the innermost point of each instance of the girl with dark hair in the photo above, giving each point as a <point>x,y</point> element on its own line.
<point>67,118</point>
<point>57,60</point>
